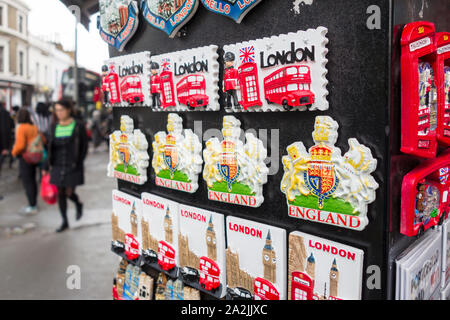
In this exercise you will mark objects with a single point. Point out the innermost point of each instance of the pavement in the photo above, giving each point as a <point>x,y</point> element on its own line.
<point>38,263</point>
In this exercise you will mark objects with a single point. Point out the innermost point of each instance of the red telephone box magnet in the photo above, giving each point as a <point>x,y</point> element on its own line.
<point>419,103</point>
<point>425,196</point>
<point>443,87</point>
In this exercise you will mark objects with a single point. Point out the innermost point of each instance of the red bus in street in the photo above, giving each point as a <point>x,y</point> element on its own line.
<point>131,247</point>
<point>209,274</point>
<point>166,256</point>
<point>265,290</point>
<point>131,89</point>
<point>191,91</point>
<point>290,87</point>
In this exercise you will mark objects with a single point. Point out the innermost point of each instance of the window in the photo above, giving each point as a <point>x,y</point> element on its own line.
<point>2,58</point>
<point>1,15</point>
<point>21,66</point>
<point>20,24</point>
<point>37,72</point>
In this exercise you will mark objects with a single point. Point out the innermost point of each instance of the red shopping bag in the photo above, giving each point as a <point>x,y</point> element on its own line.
<point>49,192</point>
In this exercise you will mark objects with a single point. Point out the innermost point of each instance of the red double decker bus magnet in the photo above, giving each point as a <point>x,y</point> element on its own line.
<point>419,95</point>
<point>443,87</point>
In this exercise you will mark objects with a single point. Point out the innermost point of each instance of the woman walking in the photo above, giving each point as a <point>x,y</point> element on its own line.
<point>26,133</point>
<point>67,149</point>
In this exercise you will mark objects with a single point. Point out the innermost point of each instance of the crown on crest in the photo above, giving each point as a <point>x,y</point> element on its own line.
<point>228,147</point>
<point>321,153</point>
<point>123,138</point>
<point>170,140</point>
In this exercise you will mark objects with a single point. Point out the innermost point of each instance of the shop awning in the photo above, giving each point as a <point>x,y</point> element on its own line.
<point>87,8</point>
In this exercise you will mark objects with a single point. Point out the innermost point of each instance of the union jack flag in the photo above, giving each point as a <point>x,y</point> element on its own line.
<point>165,64</point>
<point>443,175</point>
<point>247,54</point>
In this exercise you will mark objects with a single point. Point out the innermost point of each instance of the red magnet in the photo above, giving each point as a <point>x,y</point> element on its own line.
<point>443,87</point>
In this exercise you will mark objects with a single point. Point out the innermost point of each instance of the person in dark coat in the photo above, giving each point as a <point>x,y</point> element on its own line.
<point>67,150</point>
<point>6,127</point>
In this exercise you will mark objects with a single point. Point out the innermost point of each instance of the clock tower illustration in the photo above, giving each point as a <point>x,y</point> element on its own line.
<point>168,227</point>
<point>334,279</point>
<point>269,260</point>
<point>311,266</point>
<point>211,240</point>
<point>134,220</point>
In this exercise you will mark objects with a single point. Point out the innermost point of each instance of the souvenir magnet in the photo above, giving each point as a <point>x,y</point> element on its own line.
<point>126,216</point>
<point>126,80</point>
<point>257,268</point>
<point>234,9</point>
<point>323,186</point>
<point>177,156</point>
<point>443,87</point>
<point>128,157</point>
<point>120,279</point>
<point>280,73</point>
<point>161,287</point>
<point>425,198</point>
<point>320,269</point>
<point>160,232</point>
<point>131,285</point>
<point>202,250</point>
<point>419,104</point>
<point>118,21</point>
<point>185,80</point>
<point>168,15</point>
<point>145,288</point>
<point>235,172</point>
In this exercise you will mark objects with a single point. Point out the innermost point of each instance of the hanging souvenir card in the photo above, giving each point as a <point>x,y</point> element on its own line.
<point>323,186</point>
<point>160,226</point>
<point>185,80</point>
<point>425,198</point>
<point>168,15</point>
<point>446,254</point>
<point>131,285</point>
<point>320,269</point>
<point>126,216</point>
<point>443,87</point>
<point>126,81</point>
<point>177,156</point>
<point>235,172</point>
<point>280,73</point>
<point>118,21</point>
<point>128,157</point>
<point>419,95</point>
<point>201,242</point>
<point>256,270</point>
<point>234,9</point>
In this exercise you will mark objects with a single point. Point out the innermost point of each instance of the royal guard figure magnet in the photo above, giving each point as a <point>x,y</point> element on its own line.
<point>105,84</point>
<point>155,85</point>
<point>443,87</point>
<point>230,81</point>
<point>425,196</point>
<point>419,96</point>
<point>118,21</point>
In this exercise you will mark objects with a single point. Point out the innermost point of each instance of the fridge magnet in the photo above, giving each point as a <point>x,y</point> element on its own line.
<point>177,157</point>
<point>168,15</point>
<point>257,269</point>
<point>418,89</point>
<point>235,172</point>
<point>160,233</point>
<point>120,280</point>
<point>126,225</point>
<point>118,21</point>
<point>280,73</point>
<point>323,186</point>
<point>320,269</point>
<point>201,242</point>
<point>419,269</point>
<point>128,156</point>
<point>443,87</point>
<point>425,199</point>
<point>131,285</point>
<point>145,288</point>
<point>234,9</point>
<point>127,83</point>
<point>161,282</point>
<point>446,254</point>
<point>185,80</point>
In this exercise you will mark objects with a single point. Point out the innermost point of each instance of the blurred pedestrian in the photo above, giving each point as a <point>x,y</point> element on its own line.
<point>6,126</point>
<point>26,134</point>
<point>96,129</point>
<point>67,149</point>
<point>43,118</point>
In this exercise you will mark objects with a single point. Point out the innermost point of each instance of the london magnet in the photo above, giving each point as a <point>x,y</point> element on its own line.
<point>168,15</point>
<point>280,73</point>
<point>128,155</point>
<point>177,156</point>
<point>185,80</point>
<point>234,9</point>
<point>323,186</point>
<point>118,21</point>
<point>235,172</point>
<point>443,87</point>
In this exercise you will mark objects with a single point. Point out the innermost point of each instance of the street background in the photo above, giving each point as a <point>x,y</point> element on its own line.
<point>34,261</point>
